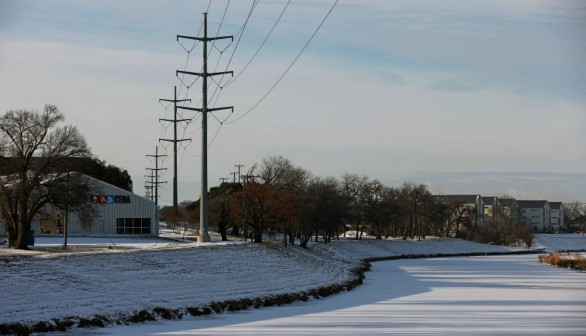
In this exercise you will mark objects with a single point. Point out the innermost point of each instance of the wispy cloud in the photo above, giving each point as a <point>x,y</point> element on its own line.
<point>387,88</point>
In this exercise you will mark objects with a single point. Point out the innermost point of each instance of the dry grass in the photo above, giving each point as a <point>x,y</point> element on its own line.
<point>572,261</point>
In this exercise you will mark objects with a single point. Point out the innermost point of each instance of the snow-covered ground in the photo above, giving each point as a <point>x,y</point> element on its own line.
<point>496,295</point>
<point>112,276</point>
<point>561,242</point>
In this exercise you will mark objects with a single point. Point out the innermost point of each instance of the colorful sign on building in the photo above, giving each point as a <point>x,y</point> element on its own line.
<point>109,199</point>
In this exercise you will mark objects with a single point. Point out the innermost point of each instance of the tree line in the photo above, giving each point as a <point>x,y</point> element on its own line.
<point>38,154</point>
<point>277,196</point>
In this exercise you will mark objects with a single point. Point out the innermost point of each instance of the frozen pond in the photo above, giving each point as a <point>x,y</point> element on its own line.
<point>505,295</point>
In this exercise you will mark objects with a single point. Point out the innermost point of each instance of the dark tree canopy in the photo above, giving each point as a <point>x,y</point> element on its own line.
<point>109,173</point>
<point>91,166</point>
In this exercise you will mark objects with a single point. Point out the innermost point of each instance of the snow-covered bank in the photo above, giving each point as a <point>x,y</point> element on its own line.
<point>38,288</point>
<point>560,242</point>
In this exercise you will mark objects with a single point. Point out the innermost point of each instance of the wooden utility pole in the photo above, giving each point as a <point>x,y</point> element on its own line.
<point>239,166</point>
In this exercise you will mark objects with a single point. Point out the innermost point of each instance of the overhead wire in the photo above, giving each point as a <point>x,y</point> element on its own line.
<point>260,47</point>
<point>289,67</point>
<point>215,94</point>
<point>217,34</point>
<point>231,80</point>
<point>238,39</point>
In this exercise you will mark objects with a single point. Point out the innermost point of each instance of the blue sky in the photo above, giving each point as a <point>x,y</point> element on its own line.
<point>481,97</point>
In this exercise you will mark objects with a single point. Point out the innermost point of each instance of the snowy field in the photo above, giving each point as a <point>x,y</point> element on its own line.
<point>113,277</point>
<point>504,295</point>
<point>561,242</point>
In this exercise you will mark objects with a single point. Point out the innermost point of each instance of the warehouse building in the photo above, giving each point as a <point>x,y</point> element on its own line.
<point>115,211</point>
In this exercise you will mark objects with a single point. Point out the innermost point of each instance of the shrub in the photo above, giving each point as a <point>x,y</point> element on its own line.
<point>572,261</point>
<point>500,234</point>
<point>168,314</point>
<point>141,316</point>
<point>14,329</point>
<point>43,327</point>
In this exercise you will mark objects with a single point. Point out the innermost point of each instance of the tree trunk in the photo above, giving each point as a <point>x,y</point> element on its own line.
<point>10,235</point>
<point>22,238</point>
<point>11,239</point>
<point>258,236</point>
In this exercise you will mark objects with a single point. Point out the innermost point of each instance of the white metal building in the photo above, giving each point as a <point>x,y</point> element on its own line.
<point>117,212</point>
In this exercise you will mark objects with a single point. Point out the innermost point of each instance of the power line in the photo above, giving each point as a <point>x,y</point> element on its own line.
<point>290,66</point>
<point>239,34</point>
<point>260,47</point>
<point>222,21</point>
<point>230,81</point>
<point>215,95</point>
<point>278,80</point>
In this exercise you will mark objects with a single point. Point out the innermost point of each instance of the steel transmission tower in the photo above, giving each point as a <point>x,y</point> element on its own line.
<point>175,141</point>
<point>155,174</point>
<point>203,235</point>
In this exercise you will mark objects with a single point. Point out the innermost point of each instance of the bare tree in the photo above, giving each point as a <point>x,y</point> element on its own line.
<point>289,183</point>
<point>373,199</point>
<point>574,213</point>
<point>386,211</point>
<point>257,207</point>
<point>220,207</point>
<point>279,172</point>
<point>34,145</point>
<point>441,220</point>
<point>323,210</point>
<point>417,195</point>
<point>353,188</point>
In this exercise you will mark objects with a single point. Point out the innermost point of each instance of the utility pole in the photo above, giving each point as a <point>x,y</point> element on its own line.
<point>233,177</point>
<point>239,166</point>
<point>148,189</point>
<point>149,186</point>
<point>223,180</point>
<point>203,209</point>
<point>155,174</point>
<point>175,141</point>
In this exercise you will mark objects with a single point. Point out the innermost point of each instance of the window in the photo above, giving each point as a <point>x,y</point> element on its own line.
<point>133,226</point>
<point>51,224</point>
